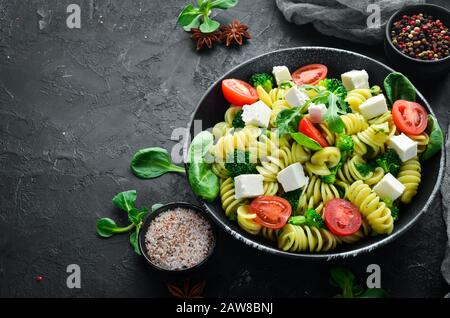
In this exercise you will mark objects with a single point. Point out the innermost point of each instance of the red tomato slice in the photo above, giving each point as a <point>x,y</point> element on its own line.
<point>310,74</point>
<point>342,217</point>
<point>238,92</point>
<point>271,211</point>
<point>306,127</point>
<point>409,117</point>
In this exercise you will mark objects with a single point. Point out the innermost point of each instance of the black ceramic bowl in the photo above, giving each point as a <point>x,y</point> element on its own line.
<point>151,216</point>
<point>212,107</point>
<point>415,68</point>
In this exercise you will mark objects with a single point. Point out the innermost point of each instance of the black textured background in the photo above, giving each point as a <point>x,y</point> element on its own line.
<point>76,104</point>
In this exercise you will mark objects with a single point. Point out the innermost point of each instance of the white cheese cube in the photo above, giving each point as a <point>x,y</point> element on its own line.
<point>355,79</point>
<point>295,98</point>
<point>292,177</point>
<point>281,74</point>
<point>256,114</point>
<point>405,147</point>
<point>248,186</point>
<point>373,107</point>
<point>316,112</point>
<point>389,188</point>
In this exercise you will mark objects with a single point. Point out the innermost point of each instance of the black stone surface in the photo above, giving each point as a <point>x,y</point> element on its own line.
<point>76,104</point>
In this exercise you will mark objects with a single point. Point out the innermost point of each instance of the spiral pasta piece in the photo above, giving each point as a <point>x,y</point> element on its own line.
<point>363,231</point>
<point>277,107</point>
<point>270,188</point>
<point>356,97</point>
<point>269,234</point>
<point>220,129</point>
<point>246,220</point>
<point>269,168</point>
<point>295,238</point>
<point>375,136</point>
<point>410,177</point>
<point>329,136</point>
<point>219,170</point>
<point>316,193</point>
<point>227,195</point>
<point>385,118</point>
<point>354,123</point>
<point>350,173</point>
<point>322,160</point>
<point>243,139</point>
<point>264,96</point>
<point>422,141</point>
<point>377,214</point>
<point>230,114</point>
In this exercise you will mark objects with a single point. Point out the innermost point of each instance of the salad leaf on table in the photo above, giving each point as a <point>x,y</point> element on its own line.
<point>153,162</point>
<point>345,280</point>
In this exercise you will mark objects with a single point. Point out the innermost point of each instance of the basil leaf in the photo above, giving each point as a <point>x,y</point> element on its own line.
<point>203,181</point>
<point>125,200</point>
<point>153,162</point>
<point>287,120</point>
<point>106,227</point>
<point>306,141</point>
<point>335,122</point>
<point>397,86</point>
<point>200,146</point>
<point>342,277</point>
<point>188,15</point>
<point>436,138</point>
<point>209,25</point>
<point>134,241</point>
<point>223,4</point>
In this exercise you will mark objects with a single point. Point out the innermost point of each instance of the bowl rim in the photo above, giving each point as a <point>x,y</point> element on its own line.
<point>163,208</point>
<point>390,22</point>
<point>317,256</point>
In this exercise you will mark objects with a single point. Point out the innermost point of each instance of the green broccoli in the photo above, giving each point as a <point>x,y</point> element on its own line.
<point>331,178</point>
<point>390,162</point>
<point>286,85</point>
<point>393,207</point>
<point>311,218</point>
<point>375,90</point>
<point>240,164</point>
<point>345,144</point>
<point>292,197</point>
<point>238,122</point>
<point>262,79</point>
<point>365,168</point>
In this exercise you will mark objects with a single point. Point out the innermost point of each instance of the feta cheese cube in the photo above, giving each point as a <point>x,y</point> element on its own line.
<point>316,112</point>
<point>405,147</point>
<point>373,107</point>
<point>295,98</point>
<point>281,74</point>
<point>248,186</point>
<point>355,79</point>
<point>292,177</point>
<point>256,114</point>
<point>389,188</point>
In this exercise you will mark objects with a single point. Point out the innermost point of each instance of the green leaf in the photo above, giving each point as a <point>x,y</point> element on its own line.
<point>156,206</point>
<point>209,25</point>
<point>223,4</point>
<point>203,181</point>
<point>199,146</point>
<point>153,162</point>
<point>335,122</point>
<point>341,276</point>
<point>397,86</point>
<point>134,241</point>
<point>305,141</point>
<point>106,227</point>
<point>194,24</point>
<point>188,15</point>
<point>287,120</point>
<point>436,138</point>
<point>373,293</point>
<point>125,200</point>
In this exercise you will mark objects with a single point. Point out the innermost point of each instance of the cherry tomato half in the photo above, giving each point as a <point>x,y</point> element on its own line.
<point>271,211</point>
<point>409,117</point>
<point>342,217</point>
<point>238,92</point>
<point>310,74</point>
<point>306,127</point>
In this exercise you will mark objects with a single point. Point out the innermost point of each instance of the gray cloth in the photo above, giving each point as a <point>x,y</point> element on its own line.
<point>445,190</point>
<point>345,19</point>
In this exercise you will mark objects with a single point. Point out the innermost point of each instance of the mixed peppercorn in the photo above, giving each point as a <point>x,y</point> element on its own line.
<point>421,36</point>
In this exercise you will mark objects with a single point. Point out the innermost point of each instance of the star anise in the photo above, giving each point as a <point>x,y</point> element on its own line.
<point>236,31</point>
<point>195,292</point>
<point>205,38</point>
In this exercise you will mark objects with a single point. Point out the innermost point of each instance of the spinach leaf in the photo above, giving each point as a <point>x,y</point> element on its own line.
<point>287,120</point>
<point>335,122</point>
<point>345,280</point>
<point>305,141</point>
<point>199,146</point>
<point>134,241</point>
<point>397,86</point>
<point>203,181</point>
<point>125,200</point>
<point>223,4</point>
<point>436,138</point>
<point>153,162</point>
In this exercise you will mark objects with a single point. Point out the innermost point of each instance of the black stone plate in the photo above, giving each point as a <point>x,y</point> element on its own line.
<point>212,107</point>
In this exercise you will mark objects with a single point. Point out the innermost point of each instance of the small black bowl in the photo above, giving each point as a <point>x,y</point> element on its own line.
<point>415,68</point>
<point>169,206</point>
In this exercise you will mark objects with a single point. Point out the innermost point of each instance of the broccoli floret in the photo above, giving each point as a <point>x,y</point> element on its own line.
<point>240,164</point>
<point>262,79</point>
<point>375,90</point>
<point>337,88</point>
<point>238,122</point>
<point>286,85</point>
<point>292,197</point>
<point>331,178</point>
<point>310,218</point>
<point>365,168</point>
<point>345,143</point>
<point>390,162</point>
<point>393,207</point>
